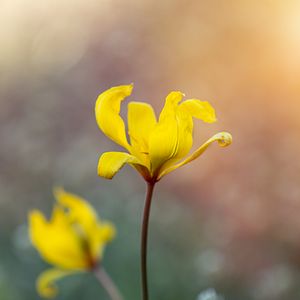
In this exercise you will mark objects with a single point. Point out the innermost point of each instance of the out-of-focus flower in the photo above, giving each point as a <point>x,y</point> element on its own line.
<point>156,147</point>
<point>73,240</point>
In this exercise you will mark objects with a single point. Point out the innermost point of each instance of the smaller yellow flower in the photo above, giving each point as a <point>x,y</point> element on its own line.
<point>73,240</point>
<point>156,146</point>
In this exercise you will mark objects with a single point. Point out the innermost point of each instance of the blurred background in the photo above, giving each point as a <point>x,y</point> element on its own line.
<point>229,221</point>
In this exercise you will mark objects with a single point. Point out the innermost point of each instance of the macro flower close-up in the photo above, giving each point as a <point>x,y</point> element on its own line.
<point>156,147</point>
<point>73,240</point>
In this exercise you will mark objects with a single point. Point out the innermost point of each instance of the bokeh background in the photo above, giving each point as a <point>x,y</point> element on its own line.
<point>229,221</point>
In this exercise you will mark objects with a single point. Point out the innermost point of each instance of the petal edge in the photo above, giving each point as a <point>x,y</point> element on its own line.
<point>107,109</point>
<point>111,162</point>
<point>199,109</point>
<point>45,283</point>
<point>224,139</point>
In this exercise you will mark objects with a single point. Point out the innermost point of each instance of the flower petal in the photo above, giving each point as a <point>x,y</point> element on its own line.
<point>103,234</point>
<point>171,104</point>
<point>107,111</point>
<point>80,211</point>
<point>96,233</point>
<point>46,285</point>
<point>56,240</point>
<point>141,120</point>
<point>107,231</point>
<point>223,138</point>
<point>111,162</point>
<point>199,109</point>
<point>164,139</point>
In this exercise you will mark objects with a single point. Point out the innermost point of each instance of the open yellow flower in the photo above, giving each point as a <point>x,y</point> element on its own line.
<point>156,147</point>
<point>72,240</point>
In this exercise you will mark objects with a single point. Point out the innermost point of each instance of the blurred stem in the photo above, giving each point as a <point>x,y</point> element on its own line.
<point>144,238</point>
<point>108,284</point>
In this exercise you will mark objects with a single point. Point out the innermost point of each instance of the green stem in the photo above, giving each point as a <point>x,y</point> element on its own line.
<point>108,284</point>
<point>144,239</point>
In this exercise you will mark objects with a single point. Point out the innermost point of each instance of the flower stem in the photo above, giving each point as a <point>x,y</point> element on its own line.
<point>108,284</point>
<point>144,238</point>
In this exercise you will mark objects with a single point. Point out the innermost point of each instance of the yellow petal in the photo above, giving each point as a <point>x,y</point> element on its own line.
<point>199,109</point>
<point>163,141</point>
<point>46,285</point>
<point>103,234</point>
<point>111,162</point>
<point>57,241</point>
<point>81,214</point>
<point>171,104</point>
<point>80,211</point>
<point>107,111</point>
<point>183,114</point>
<point>96,233</point>
<point>223,138</point>
<point>107,231</point>
<point>141,121</point>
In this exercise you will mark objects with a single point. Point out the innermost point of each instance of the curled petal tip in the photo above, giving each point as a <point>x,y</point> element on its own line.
<point>126,89</point>
<point>224,138</point>
<point>130,86</point>
<point>174,97</point>
<point>46,282</point>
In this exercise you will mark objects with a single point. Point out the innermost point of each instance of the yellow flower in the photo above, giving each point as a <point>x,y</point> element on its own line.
<point>156,147</point>
<point>72,240</point>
